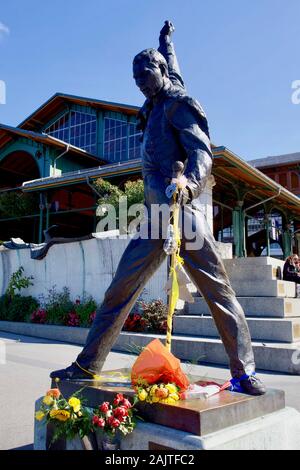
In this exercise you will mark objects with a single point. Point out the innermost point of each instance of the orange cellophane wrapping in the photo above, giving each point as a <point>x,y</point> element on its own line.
<point>156,364</point>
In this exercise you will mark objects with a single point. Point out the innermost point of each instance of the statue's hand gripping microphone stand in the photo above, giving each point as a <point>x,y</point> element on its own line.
<point>172,247</point>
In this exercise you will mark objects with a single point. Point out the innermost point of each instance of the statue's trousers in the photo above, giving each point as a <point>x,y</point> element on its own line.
<point>205,268</point>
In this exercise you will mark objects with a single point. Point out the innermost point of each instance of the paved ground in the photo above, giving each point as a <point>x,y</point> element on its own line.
<point>25,377</point>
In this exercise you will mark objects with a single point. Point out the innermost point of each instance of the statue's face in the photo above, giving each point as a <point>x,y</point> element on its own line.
<point>148,78</point>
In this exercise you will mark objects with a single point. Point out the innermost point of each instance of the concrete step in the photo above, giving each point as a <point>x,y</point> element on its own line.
<point>259,273</point>
<point>258,288</point>
<point>254,262</point>
<point>253,307</point>
<point>264,268</point>
<point>265,329</point>
<point>279,357</point>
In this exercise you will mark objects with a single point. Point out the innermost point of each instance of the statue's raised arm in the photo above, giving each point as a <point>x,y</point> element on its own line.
<point>166,48</point>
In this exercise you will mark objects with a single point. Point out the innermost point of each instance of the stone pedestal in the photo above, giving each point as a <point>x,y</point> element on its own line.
<point>224,421</point>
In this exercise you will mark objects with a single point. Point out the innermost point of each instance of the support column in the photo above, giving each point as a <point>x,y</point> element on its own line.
<point>238,220</point>
<point>287,241</point>
<point>297,236</point>
<point>41,206</point>
<point>267,227</point>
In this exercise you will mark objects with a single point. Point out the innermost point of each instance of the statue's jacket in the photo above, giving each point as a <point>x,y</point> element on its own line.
<point>175,129</point>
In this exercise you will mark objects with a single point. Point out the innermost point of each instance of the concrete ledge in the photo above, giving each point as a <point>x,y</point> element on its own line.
<point>66,334</point>
<point>268,355</point>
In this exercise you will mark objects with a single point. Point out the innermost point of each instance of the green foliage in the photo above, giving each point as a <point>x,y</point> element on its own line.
<point>18,282</point>
<point>17,204</point>
<point>58,305</point>
<point>17,308</point>
<point>110,195</point>
<point>85,309</point>
<point>134,190</point>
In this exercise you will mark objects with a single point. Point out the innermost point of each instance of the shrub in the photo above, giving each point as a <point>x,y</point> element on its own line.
<point>86,311</point>
<point>156,314</point>
<point>135,322</point>
<point>58,305</point>
<point>18,282</point>
<point>39,316</point>
<point>19,308</point>
<point>72,319</point>
<point>148,316</point>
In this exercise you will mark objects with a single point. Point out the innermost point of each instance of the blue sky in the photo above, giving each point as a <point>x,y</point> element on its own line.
<point>238,59</point>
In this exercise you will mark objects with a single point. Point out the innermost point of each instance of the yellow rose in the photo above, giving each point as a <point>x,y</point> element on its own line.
<point>170,401</point>
<point>75,404</point>
<point>167,401</point>
<point>48,400</point>
<point>153,389</point>
<point>174,396</point>
<point>155,399</point>
<point>39,415</point>
<point>172,388</point>
<point>142,395</point>
<point>60,415</point>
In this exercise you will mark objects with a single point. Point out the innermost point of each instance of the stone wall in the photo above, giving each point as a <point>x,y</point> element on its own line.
<point>87,266</point>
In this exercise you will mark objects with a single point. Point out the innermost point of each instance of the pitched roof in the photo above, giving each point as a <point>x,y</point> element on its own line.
<point>58,102</point>
<point>276,160</point>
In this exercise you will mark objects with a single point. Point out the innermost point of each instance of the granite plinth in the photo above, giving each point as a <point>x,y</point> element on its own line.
<point>198,416</point>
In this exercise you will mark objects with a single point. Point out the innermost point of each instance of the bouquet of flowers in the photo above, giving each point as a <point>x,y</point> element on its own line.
<point>69,417</point>
<point>114,417</point>
<point>167,394</point>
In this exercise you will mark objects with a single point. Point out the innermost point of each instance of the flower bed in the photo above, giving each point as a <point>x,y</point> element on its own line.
<point>57,308</point>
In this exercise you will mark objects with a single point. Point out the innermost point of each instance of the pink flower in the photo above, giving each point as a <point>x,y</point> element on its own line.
<point>104,407</point>
<point>73,319</point>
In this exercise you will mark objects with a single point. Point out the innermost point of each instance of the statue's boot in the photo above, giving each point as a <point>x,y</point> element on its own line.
<point>253,386</point>
<point>73,372</point>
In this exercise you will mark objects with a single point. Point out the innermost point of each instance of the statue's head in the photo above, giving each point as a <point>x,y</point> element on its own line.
<point>150,72</point>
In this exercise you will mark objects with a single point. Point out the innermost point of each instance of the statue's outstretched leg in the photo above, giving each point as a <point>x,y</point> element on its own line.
<point>140,260</point>
<point>207,271</point>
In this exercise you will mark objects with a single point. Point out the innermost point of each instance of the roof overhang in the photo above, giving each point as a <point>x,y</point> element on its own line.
<point>8,134</point>
<point>238,171</point>
<point>227,165</point>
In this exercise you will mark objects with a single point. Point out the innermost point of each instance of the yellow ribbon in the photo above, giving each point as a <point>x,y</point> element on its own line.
<point>175,261</point>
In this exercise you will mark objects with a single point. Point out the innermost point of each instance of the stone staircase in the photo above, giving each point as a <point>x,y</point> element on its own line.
<point>271,308</point>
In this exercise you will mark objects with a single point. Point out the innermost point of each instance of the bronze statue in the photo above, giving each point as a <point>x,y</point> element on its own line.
<point>174,129</point>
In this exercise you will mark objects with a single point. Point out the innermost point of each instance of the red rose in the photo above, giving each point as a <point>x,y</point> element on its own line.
<point>120,412</point>
<point>104,407</point>
<point>126,403</point>
<point>101,423</point>
<point>95,420</point>
<point>113,422</point>
<point>120,396</point>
